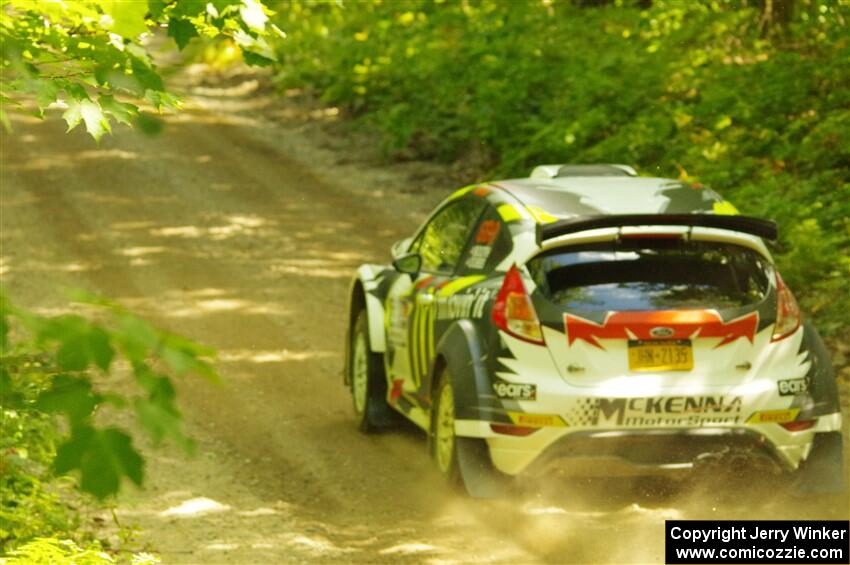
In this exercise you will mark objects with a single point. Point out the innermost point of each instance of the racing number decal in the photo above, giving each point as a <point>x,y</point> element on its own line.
<point>432,299</point>
<point>420,328</point>
<point>421,334</point>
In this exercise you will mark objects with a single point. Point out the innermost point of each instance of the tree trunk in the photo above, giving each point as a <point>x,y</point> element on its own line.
<point>775,14</point>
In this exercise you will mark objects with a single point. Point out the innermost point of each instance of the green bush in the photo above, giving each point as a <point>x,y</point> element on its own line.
<point>691,90</point>
<point>51,551</point>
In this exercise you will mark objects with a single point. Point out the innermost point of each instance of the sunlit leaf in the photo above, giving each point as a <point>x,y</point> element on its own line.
<point>88,112</point>
<point>128,17</point>
<point>253,15</point>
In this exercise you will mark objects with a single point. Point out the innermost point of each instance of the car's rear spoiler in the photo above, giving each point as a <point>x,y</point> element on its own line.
<point>764,229</point>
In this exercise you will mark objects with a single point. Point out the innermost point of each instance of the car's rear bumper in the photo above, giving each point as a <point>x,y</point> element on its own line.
<point>640,452</point>
<point>662,452</point>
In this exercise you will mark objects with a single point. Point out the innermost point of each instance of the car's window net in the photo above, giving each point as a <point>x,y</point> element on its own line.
<point>652,274</point>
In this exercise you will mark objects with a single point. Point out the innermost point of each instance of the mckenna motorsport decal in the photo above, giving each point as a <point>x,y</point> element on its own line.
<point>657,411</point>
<point>686,324</point>
<point>792,387</point>
<point>515,391</point>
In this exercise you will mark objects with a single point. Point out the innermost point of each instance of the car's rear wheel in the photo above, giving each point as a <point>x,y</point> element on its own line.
<point>368,383</point>
<point>443,441</point>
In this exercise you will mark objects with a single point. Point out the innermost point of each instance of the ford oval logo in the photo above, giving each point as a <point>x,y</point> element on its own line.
<point>661,332</point>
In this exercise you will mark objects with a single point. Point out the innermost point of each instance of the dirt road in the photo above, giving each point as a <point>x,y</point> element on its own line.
<point>237,229</point>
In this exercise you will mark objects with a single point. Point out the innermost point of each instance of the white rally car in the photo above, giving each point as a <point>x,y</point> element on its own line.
<point>595,322</point>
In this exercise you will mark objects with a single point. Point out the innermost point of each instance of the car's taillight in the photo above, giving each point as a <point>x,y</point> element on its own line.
<point>509,430</point>
<point>787,311</point>
<point>799,425</point>
<point>513,311</point>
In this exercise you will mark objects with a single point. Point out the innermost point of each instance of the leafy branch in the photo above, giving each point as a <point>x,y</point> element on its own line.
<point>78,53</point>
<point>60,365</point>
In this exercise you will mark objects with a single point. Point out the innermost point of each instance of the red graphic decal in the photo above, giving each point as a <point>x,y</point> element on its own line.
<point>424,282</point>
<point>684,324</point>
<point>487,232</point>
<point>481,191</point>
<point>395,392</point>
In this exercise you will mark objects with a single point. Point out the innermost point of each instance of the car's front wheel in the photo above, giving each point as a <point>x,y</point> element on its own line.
<point>368,383</point>
<point>443,441</point>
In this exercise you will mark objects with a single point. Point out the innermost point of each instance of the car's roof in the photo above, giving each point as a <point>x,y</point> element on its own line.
<point>591,196</point>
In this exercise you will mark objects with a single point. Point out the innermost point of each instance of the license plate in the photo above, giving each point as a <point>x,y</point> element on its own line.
<point>666,355</point>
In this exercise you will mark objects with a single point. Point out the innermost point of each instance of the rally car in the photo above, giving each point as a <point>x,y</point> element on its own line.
<point>590,321</point>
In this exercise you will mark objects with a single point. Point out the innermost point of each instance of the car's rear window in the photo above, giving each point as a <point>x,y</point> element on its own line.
<point>652,274</point>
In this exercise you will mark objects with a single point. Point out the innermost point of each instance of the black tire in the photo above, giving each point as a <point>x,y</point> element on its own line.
<point>367,380</point>
<point>443,442</point>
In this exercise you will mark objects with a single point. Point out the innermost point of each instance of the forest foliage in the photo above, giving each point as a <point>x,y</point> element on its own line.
<point>752,103</point>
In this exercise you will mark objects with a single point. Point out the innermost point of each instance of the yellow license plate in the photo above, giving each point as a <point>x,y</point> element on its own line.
<point>667,355</point>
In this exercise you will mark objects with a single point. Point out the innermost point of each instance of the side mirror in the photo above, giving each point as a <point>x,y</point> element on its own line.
<point>409,263</point>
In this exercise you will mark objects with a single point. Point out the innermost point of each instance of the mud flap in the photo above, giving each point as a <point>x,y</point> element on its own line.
<point>479,476</point>
<point>823,471</point>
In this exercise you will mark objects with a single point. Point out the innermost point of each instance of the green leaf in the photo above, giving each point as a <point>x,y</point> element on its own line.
<point>190,8</point>
<point>46,92</point>
<point>96,122</point>
<point>256,59</point>
<point>137,338</point>
<point>4,326</point>
<point>179,361</point>
<point>182,30</point>
<point>88,112</point>
<point>100,349</point>
<point>121,111</point>
<point>148,125</point>
<point>147,77</point>
<point>221,5</point>
<point>156,8</point>
<point>73,354</point>
<point>128,16</point>
<point>69,395</point>
<point>73,115</point>
<point>103,457</point>
<point>162,100</point>
<point>183,355</point>
<point>162,420</point>
<point>253,15</point>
